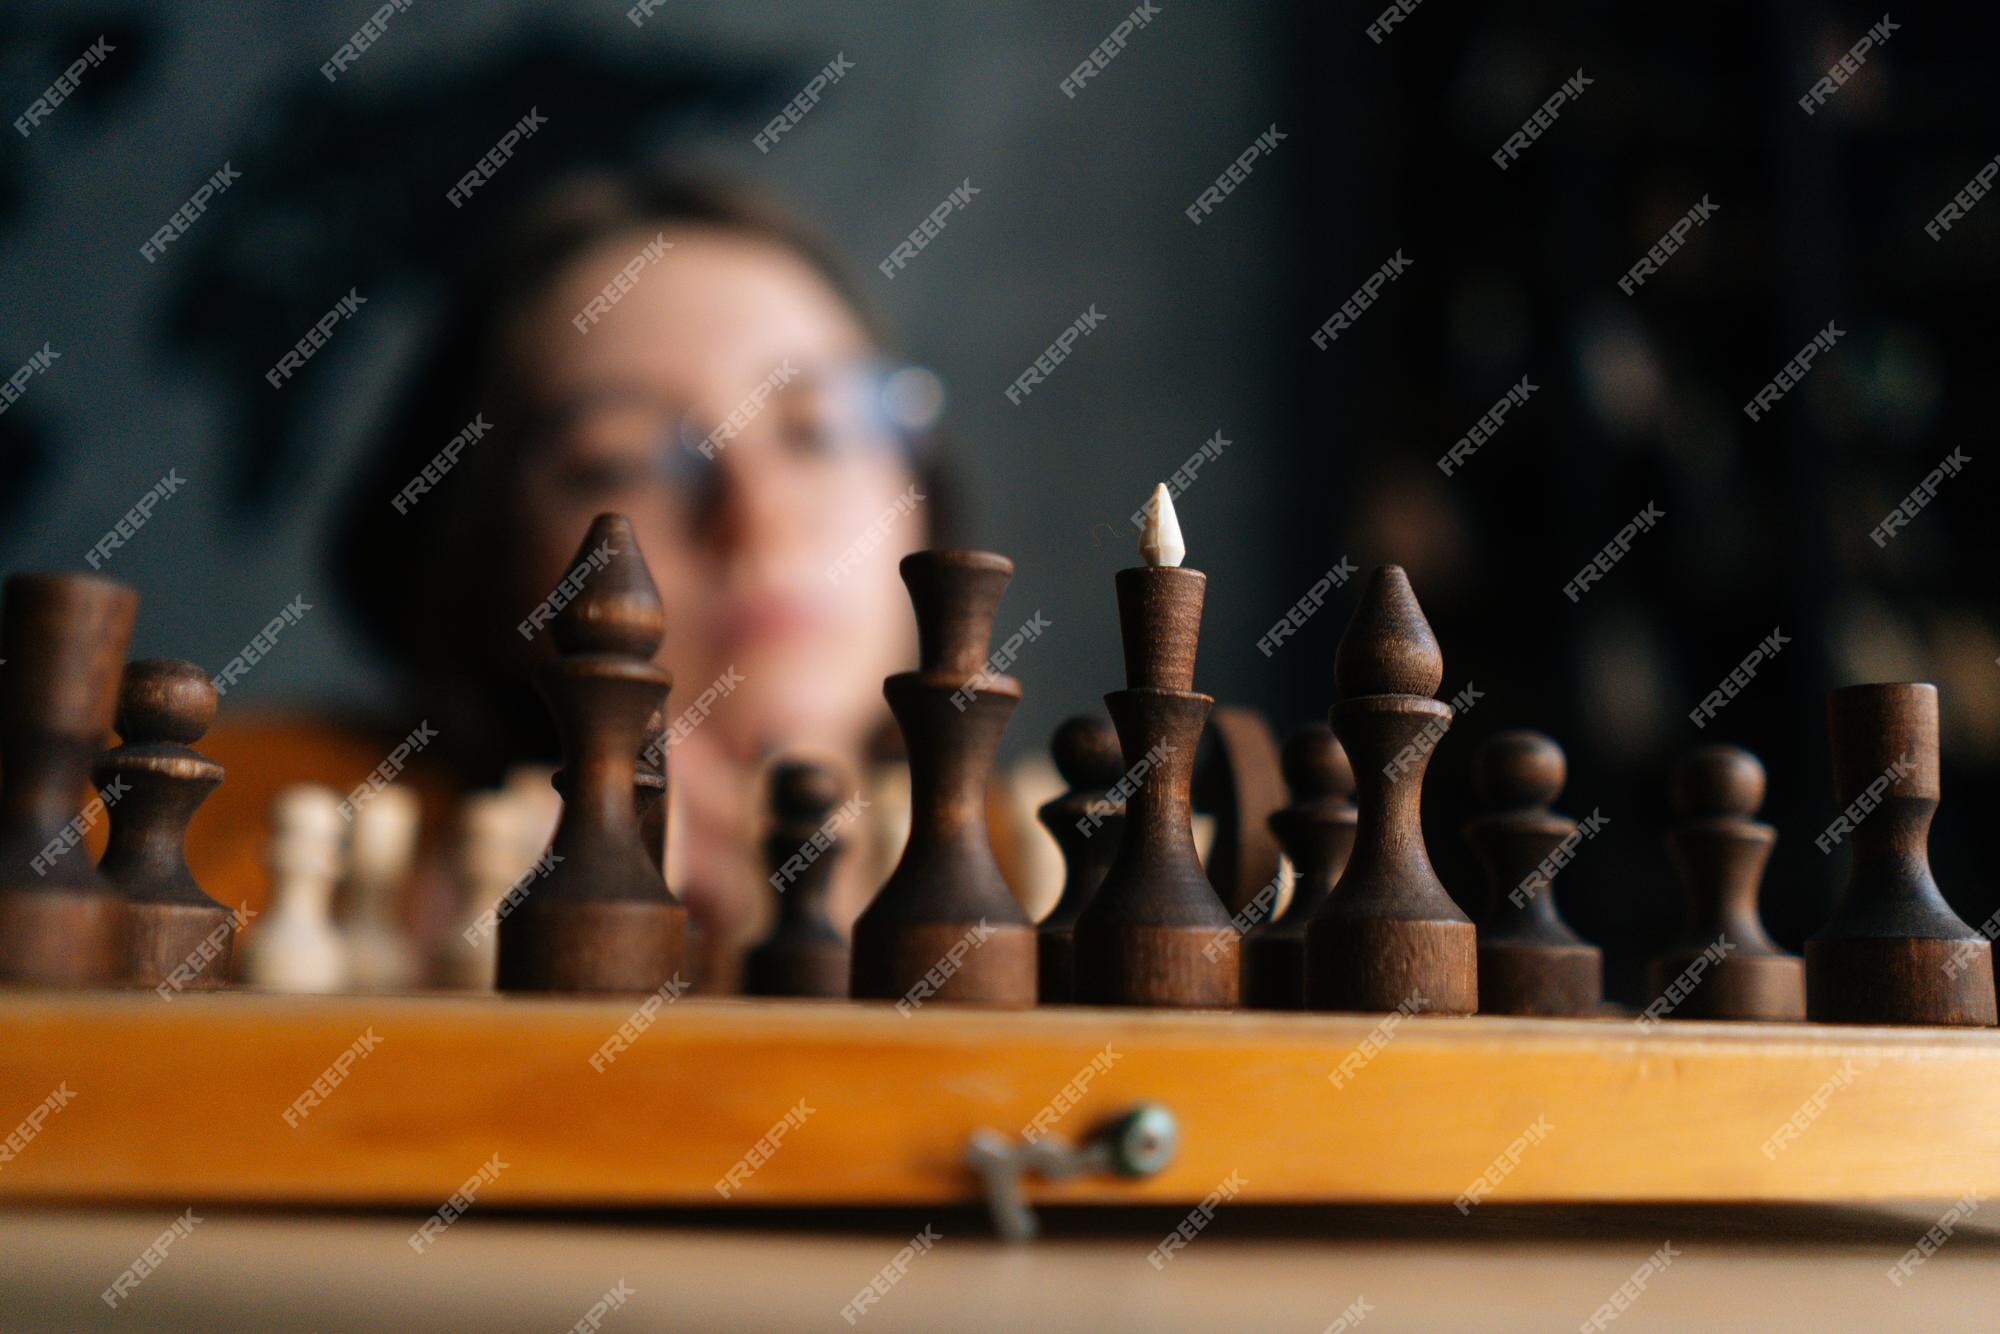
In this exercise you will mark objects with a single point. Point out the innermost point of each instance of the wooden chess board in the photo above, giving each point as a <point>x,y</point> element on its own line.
<point>188,1100</point>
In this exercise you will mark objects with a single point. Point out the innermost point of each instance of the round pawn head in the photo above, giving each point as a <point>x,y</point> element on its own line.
<point>617,608</point>
<point>955,594</point>
<point>1718,780</point>
<point>165,699</point>
<point>1519,768</point>
<point>802,792</point>
<point>1316,765</point>
<point>1085,749</point>
<point>1388,648</point>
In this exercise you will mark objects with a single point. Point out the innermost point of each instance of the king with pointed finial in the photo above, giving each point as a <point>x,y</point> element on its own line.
<point>602,919</point>
<point>1155,933</point>
<point>1389,937</point>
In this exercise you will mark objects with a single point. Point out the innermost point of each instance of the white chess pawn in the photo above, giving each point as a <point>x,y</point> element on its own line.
<point>382,847</point>
<point>294,946</point>
<point>489,863</point>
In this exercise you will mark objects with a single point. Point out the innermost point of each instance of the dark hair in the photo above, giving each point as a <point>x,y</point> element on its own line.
<point>414,580</point>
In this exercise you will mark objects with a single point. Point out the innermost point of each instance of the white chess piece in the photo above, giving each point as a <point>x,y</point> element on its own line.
<point>294,947</point>
<point>381,849</point>
<point>489,864</point>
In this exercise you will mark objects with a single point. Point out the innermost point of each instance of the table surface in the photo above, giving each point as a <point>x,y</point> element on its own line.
<point>1500,1268</point>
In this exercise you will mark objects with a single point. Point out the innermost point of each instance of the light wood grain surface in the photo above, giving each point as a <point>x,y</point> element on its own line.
<point>1501,1269</point>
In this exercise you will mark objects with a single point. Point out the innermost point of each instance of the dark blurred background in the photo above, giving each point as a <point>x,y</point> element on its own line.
<point>1387,149</point>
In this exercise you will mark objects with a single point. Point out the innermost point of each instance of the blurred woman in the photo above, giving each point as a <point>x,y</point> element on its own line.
<point>595,347</point>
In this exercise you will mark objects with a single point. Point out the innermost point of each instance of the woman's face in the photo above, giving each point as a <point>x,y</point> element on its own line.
<point>724,403</point>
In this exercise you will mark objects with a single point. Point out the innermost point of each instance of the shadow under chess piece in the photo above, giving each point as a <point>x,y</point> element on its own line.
<point>1155,933</point>
<point>945,926</point>
<point>1719,852</point>
<point>64,637</point>
<point>803,954</point>
<point>602,919</point>
<point>1530,961</point>
<point>1317,830</point>
<point>175,935</point>
<point>1894,952</point>
<point>1086,822</point>
<point>1389,937</point>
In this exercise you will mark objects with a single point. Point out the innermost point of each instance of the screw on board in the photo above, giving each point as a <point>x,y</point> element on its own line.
<point>1136,1144</point>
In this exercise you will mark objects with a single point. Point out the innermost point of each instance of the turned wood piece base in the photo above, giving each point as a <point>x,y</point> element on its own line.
<point>162,938</point>
<point>1886,980</point>
<point>592,945</point>
<point>1540,979</point>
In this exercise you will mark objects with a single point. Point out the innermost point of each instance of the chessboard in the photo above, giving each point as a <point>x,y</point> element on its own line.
<point>1168,1032</point>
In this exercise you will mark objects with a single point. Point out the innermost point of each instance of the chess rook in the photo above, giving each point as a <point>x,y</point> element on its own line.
<point>1893,951</point>
<point>64,638</point>
<point>163,707</point>
<point>602,919</point>
<point>1389,936</point>
<point>945,926</point>
<point>1155,933</point>
<point>1317,831</point>
<point>803,954</point>
<point>1719,852</point>
<point>1530,961</point>
<point>1086,822</point>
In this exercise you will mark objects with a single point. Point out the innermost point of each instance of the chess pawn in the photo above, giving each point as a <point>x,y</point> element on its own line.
<point>1389,937</point>
<point>1894,952</point>
<point>488,865</point>
<point>295,946</point>
<point>381,847</point>
<point>1317,831</point>
<point>171,926</point>
<point>603,918</point>
<point>802,955</point>
<point>1718,853</point>
<point>1086,822</point>
<point>63,637</point>
<point>945,909</point>
<point>1530,961</point>
<point>1243,785</point>
<point>1155,933</point>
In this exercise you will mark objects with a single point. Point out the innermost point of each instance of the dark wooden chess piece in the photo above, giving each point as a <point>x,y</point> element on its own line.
<point>64,637</point>
<point>1719,852</point>
<point>175,934</point>
<point>1317,830</point>
<point>1241,784</point>
<point>1894,952</point>
<point>1389,937</point>
<point>945,926</point>
<point>1155,933</point>
<point>803,954</point>
<point>602,919</point>
<point>1086,822</point>
<point>1530,961</point>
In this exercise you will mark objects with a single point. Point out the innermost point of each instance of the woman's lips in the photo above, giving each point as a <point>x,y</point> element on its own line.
<point>763,620</point>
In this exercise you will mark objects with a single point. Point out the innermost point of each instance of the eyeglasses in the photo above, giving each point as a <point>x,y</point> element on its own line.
<point>618,439</point>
